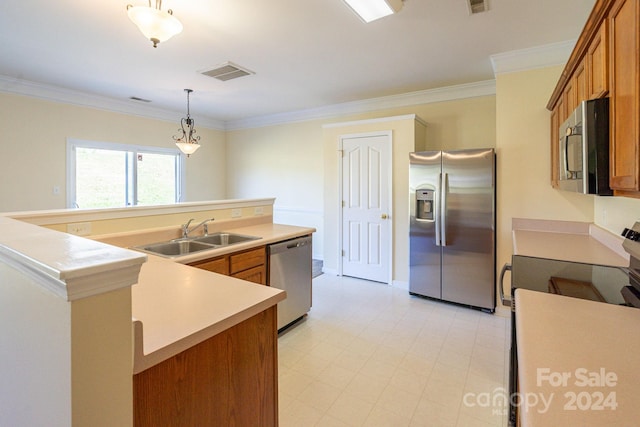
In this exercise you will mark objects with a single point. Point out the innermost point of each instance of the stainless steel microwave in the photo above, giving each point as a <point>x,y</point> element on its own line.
<point>584,149</point>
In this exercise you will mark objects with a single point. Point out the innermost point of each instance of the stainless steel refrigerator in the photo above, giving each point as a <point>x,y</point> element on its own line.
<point>452,226</point>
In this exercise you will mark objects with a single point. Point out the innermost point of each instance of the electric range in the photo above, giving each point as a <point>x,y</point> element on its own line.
<point>601,283</point>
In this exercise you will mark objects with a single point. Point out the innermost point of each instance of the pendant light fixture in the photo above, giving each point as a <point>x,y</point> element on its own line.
<point>156,25</point>
<point>188,141</point>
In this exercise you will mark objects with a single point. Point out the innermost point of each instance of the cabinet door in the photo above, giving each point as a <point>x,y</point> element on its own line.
<point>570,97</point>
<point>256,275</point>
<point>624,109</point>
<point>580,84</point>
<point>231,379</point>
<point>598,63</point>
<point>555,141</point>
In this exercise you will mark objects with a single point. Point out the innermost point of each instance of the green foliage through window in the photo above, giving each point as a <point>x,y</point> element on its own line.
<point>106,175</point>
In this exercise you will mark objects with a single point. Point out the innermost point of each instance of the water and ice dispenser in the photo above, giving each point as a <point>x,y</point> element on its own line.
<point>424,204</point>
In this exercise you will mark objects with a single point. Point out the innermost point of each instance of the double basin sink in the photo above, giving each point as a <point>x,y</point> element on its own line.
<point>178,247</point>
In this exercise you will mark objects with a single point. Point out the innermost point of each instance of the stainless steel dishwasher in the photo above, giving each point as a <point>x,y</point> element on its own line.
<point>290,270</point>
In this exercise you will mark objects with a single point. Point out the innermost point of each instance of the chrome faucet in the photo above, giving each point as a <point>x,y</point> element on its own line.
<point>204,224</point>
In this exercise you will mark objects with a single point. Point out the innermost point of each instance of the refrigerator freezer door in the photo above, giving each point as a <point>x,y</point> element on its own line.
<point>468,254</point>
<point>424,222</point>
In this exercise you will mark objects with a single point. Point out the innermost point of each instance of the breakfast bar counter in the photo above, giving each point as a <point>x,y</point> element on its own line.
<point>176,306</point>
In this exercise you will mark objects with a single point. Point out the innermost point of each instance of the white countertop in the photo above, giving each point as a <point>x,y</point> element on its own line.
<point>65,264</point>
<point>176,306</point>
<point>579,339</point>
<point>567,241</point>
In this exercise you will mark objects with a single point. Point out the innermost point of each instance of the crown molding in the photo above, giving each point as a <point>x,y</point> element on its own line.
<point>532,58</point>
<point>376,120</point>
<point>507,62</point>
<point>82,99</point>
<point>448,93</point>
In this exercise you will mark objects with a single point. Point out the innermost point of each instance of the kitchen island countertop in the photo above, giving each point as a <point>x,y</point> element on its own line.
<point>175,306</point>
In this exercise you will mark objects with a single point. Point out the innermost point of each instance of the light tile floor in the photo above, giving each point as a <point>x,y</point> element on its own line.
<point>373,355</point>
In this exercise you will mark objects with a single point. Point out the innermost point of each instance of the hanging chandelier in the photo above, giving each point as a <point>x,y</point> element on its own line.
<point>156,25</point>
<point>188,141</point>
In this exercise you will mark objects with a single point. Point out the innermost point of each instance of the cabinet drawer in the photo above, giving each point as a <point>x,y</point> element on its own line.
<point>216,265</point>
<point>245,260</point>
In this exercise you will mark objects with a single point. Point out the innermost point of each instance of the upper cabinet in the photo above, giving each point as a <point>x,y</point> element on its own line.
<point>606,62</point>
<point>598,63</point>
<point>624,68</point>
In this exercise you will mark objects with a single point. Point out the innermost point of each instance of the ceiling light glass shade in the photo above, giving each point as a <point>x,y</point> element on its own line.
<point>188,148</point>
<point>370,10</point>
<point>156,25</point>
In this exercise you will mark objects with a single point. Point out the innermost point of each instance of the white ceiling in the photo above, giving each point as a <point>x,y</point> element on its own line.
<point>305,53</point>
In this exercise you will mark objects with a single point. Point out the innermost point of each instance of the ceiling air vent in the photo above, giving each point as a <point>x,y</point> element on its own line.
<point>477,6</point>
<point>227,71</point>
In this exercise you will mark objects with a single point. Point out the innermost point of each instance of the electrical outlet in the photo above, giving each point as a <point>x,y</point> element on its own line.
<point>56,190</point>
<point>79,228</point>
<point>258,210</point>
<point>236,213</point>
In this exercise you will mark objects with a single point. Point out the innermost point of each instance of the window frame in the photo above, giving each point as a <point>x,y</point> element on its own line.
<point>73,143</point>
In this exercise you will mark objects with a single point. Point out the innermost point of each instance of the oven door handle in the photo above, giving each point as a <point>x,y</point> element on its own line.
<point>505,301</point>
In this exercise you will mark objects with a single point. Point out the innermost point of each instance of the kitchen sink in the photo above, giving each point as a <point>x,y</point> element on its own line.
<point>179,247</point>
<point>175,248</point>
<point>224,239</point>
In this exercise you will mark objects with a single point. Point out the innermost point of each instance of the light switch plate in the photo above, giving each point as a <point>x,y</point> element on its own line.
<point>79,228</point>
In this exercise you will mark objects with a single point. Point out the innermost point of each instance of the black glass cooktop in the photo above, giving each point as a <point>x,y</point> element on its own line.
<point>586,281</point>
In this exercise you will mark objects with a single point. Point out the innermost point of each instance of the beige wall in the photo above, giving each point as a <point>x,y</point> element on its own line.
<point>523,153</point>
<point>63,363</point>
<point>33,136</point>
<point>101,360</point>
<point>289,162</point>
<point>616,213</point>
<point>524,189</point>
<point>35,350</point>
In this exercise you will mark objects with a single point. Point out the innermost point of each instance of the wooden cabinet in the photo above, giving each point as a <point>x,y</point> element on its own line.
<point>624,108</point>
<point>250,265</point>
<point>231,379</point>
<point>598,63</point>
<point>217,265</point>
<point>555,146</point>
<point>575,91</point>
<point>606,62</point>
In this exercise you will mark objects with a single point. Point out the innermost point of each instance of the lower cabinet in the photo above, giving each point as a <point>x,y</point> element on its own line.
<point>249,265</point>
<point>231,379</point>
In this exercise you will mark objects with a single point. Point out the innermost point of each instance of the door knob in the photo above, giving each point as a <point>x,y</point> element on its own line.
<point>384,216</point>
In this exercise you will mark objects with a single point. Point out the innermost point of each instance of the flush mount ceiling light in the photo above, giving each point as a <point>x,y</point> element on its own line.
<point>370,10</point>
<point>188,141</point>
<point>156,25</point>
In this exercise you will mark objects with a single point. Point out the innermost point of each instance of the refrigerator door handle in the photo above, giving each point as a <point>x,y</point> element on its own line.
<point>436,209</point>
<point>443,208</point>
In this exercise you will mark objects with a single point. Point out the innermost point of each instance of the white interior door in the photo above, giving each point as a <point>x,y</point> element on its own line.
<point>366,195</point>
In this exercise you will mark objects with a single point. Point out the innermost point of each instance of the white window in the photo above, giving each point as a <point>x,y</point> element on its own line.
<point>107,175</point>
